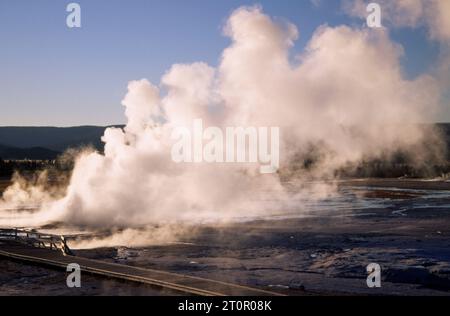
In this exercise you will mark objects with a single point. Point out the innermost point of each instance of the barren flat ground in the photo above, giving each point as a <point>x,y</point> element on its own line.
<point>402,225</point>
<point>21,279</point>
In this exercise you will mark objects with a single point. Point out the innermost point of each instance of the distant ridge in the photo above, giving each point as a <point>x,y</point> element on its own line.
<point>42,143</point>
<point>53,138</point>
<point>34,153</point>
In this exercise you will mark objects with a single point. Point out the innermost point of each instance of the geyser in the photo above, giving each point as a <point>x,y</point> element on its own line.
<point>347,94</point>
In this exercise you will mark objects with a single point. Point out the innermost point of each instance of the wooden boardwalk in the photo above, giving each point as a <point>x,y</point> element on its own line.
<point>180,283</point>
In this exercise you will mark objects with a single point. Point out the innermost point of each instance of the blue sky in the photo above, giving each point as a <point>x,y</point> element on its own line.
<point>53,75</point>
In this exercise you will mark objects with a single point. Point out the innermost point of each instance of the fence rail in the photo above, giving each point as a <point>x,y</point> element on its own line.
<point>36,239</point>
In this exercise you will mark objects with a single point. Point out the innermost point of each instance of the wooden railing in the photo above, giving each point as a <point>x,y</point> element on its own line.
<point>36,239</point>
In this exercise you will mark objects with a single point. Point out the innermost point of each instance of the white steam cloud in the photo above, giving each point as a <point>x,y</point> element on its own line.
<point>433,15</point>
<point>346,92</point>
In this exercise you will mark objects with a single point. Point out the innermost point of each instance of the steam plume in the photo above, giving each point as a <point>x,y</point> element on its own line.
<point>345,94</point>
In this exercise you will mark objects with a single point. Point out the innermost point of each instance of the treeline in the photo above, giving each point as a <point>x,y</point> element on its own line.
<point>9,167</point>
<point>391,169</point>
<point>316,162</point>
<point>399,165</point>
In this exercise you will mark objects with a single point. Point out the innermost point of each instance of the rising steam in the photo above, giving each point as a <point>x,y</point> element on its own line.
<point>345,95</point>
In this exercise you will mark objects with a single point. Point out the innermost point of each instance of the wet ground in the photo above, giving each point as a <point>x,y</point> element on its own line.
<point>324,251</point>
<point>404,226</point>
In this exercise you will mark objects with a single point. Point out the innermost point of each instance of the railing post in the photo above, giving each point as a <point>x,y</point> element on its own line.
<point>65,249</point>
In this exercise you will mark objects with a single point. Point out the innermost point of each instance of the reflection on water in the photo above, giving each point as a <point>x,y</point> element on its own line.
<point>360,198</point>
<point>347,201</point>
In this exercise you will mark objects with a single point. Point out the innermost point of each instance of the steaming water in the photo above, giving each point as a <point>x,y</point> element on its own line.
<point>344,203</point>
<point>315,101</point>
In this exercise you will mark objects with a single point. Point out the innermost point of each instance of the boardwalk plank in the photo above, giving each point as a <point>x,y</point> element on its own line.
<point>178,282</point>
